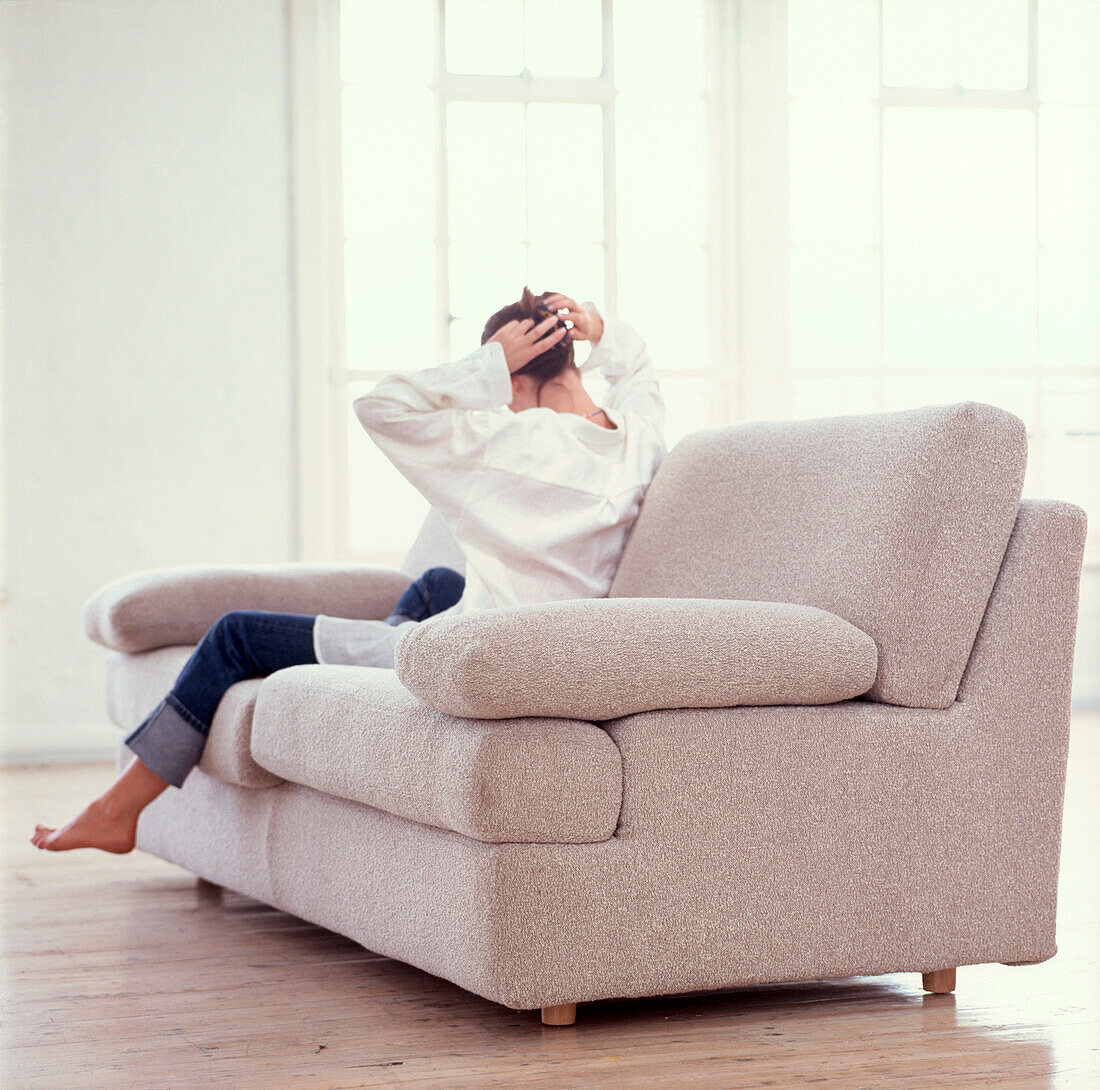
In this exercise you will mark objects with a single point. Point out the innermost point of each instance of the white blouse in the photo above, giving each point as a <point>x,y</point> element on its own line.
<point>540,502</point>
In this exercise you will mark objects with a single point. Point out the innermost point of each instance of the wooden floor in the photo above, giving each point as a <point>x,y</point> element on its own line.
<point>120,971</point>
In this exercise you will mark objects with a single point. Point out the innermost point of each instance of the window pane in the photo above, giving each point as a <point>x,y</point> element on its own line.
<point>834,175</point>
<point>573,269</point>
<point>688,404</point>
<point>387,41</point>
<point>959,175</point>
<point>484,36</point>
<point>384,510</point>
<point>959,287</point>
<point>389,162</point>
<point>960,309</point>
<point>390,305</point>
<point>485,151</point>
<point>832,47</point>
<point>1069,175</point>
<point>1069,308</point>
<point>658,45</point>
<point>938,43</point>
<point>823,395</point>
<point>1069,51</point>
<point>485,276</point>
<point>663,294</point>
<point>565,172</point>
<point>834,308</point>
<point>661,171</point>
<point>1071,445</point>
<point>565,38</point>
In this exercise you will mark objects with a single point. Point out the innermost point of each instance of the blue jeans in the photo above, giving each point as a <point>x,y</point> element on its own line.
<point>436,590</point>
<point>248,643</point>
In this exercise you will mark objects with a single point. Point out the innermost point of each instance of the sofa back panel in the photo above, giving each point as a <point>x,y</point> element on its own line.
<point>1022,661</point>
<point>895,521</point>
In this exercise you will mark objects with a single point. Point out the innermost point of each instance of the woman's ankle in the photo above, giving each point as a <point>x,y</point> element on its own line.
<point>134,789</point>
<point>116,808</point>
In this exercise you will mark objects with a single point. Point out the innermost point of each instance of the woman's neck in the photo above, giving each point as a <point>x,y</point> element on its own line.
<point>570,396</point>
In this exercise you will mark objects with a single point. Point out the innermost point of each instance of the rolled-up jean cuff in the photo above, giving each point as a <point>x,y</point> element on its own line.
<point>168,741</point>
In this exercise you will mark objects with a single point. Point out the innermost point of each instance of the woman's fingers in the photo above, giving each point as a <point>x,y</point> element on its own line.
<point>582,323</point>
<point>546,341</point>
<point>521,335</point>
<point>557,335</point>
<point>535,332</point>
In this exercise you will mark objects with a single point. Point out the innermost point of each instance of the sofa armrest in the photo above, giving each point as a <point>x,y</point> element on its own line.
<point>601,658</point>
<point>162,607</point>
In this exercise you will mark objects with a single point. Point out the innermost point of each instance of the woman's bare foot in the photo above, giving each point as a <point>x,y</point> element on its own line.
<point>96,826</point>
<point>110,822</point>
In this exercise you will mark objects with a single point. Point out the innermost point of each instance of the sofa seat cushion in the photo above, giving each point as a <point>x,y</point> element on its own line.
<point>599,658</point>
<point>356,732</point>
<point>136,683</point>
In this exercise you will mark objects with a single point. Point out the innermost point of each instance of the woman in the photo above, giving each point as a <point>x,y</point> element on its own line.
<point>539,485</point>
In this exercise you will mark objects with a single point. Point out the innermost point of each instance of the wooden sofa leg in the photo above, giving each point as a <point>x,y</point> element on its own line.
<point>208,891</point>
<point>941,981</point>
<point>564,1014</point>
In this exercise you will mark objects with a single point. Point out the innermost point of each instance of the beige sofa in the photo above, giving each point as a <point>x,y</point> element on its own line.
<point>818,729</point>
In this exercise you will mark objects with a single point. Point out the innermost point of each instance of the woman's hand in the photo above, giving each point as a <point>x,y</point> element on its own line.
<point>522,340</point>
<point>586,325</point>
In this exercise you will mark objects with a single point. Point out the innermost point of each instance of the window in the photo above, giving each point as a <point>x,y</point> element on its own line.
<point>567,149</point>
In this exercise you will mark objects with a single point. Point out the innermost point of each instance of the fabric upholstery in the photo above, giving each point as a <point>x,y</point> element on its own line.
<point>599,658</point>
<point>756,844</point>
<point>357,732</point>
<point>163,607</point>
<point>137,682</point>
<point>895,521</point>
<point>215,829</point>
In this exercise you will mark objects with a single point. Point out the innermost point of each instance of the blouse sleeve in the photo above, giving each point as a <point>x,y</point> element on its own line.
<point>434,424</point>
<point>623,359</point>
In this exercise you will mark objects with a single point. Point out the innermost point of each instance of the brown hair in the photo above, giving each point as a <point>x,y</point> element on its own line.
<point>547,365</point>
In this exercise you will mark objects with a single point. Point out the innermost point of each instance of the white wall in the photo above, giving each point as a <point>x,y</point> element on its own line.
<point>147,386</point>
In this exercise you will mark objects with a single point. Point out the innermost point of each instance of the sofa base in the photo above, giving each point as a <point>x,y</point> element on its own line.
<point>543,925</point>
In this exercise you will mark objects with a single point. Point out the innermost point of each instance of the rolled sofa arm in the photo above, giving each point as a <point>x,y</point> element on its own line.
<point>600,658</point>
<point>163,607</point>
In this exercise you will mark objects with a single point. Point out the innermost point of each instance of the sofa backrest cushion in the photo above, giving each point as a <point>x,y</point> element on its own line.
<point>895,521</point>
